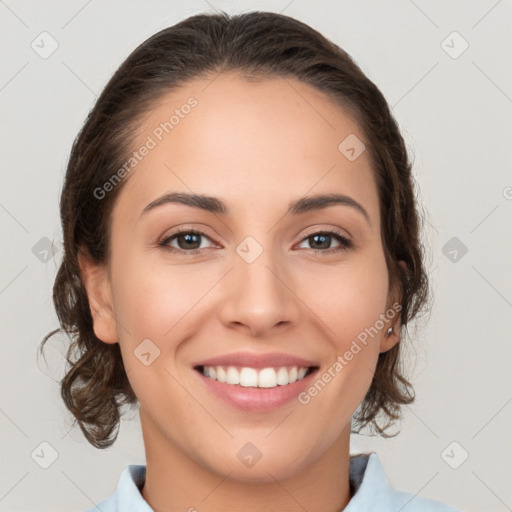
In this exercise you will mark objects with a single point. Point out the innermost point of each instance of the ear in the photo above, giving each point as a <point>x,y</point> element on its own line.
<point>392,323</point>
<point>99,292</point>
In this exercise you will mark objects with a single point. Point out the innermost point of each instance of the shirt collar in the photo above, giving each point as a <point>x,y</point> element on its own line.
<point>128,494</point>
<point>369,481</point>
<point>367,478</point>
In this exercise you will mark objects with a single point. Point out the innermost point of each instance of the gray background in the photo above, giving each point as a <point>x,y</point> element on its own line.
<point>455,115</point>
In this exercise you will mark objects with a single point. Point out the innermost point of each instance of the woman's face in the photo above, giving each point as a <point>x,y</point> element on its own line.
<point>257,287</point>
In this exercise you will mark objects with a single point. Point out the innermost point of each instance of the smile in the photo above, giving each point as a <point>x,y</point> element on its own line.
<point>257,378</point>
<point>256,382</point>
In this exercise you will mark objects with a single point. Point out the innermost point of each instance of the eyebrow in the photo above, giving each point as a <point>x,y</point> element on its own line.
<point>215,205</point>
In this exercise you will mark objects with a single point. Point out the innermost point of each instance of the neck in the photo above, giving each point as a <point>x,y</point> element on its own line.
<point>176,482</point>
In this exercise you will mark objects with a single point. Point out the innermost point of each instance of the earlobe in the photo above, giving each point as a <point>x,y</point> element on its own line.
<point>99,293</point>
<point>392,328</point>
<point>391,338</point>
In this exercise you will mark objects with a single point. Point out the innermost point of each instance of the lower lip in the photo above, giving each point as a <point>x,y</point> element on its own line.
<point>256,399</point>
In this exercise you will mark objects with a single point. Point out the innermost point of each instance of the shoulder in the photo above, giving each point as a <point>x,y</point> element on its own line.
<point>373,491</point>
<point>399,500</point>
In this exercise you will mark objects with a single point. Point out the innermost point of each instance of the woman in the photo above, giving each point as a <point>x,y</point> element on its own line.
<point>242,256</point>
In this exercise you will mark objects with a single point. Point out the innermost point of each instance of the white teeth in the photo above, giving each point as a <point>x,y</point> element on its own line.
<point>221,374</point>
<point>267,378</point>
<point>232,376</point>
<point>250,377</point>
<point>282,376</point>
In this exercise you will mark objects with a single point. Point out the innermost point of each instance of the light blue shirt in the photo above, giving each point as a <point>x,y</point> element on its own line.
<point>367,477</point>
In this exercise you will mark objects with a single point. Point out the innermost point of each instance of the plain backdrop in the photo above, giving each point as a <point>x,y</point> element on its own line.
<point>451,94</point>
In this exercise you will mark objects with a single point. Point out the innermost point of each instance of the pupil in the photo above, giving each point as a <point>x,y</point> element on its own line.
<point>315,237</point>
<point>189,238</point>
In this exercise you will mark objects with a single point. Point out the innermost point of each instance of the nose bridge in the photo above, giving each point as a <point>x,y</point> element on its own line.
<point>258,296</point>
<point>257,268</point>
<point>259,279</point>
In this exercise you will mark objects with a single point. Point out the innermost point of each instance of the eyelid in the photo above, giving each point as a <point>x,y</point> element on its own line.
<point>187,229</point>
<point>331,229</point>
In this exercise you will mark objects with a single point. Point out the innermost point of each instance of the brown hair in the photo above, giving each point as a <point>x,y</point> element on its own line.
<point>257,44</point>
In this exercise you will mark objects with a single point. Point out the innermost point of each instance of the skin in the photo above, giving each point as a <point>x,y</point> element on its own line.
<point>257,146</point>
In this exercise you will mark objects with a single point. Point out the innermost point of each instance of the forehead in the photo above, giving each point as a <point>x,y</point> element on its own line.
<point>255,143</point>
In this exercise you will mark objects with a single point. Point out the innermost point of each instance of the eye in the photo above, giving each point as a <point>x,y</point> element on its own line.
<point>323,238</point>
<point>189,242</point>
<point>187,239</point>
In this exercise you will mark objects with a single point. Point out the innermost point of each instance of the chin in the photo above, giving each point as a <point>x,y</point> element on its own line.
<point>270,467</point>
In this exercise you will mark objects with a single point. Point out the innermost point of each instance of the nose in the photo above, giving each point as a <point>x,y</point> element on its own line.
<point>259,298</point>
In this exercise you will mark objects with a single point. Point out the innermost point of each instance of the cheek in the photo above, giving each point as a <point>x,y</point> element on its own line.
<point>152,313</point>
<point>153,297</point>
<point>354,300</point>
<point>157,308</point>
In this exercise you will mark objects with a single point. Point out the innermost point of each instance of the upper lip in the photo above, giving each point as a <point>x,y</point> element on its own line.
<point>253,360</point>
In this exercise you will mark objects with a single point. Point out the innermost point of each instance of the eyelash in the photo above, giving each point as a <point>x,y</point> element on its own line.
<point>345,243</point>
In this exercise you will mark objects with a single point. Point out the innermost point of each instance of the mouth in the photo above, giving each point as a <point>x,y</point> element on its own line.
<point>255,389</point>
<point>270,377</point>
